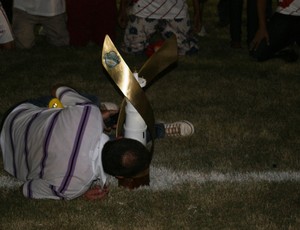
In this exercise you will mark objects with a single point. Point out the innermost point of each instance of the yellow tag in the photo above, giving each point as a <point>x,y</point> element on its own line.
<point>55,103</point>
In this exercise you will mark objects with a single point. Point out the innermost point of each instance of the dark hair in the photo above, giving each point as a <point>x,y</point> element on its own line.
<point>125,157</point>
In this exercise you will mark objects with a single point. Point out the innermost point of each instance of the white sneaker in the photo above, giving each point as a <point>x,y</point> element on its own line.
<point>108,106</point>
<point>180,128</point>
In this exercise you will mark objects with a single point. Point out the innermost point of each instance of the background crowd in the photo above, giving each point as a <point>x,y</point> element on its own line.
<point>273,28</point>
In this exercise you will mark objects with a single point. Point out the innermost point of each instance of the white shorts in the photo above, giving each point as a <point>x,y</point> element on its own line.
<point>5,29</point>
<point>139,30</point>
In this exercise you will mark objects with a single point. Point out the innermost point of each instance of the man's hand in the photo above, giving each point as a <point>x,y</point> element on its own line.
<point>110,118</point>
<point>260,35</point>
<point>262,32</point>
<point>106,114</point>
<point>96,193</point>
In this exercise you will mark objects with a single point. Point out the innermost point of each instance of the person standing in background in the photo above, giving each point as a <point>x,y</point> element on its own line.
<point>198,18</point>
<point>143,18</point>
<point>230,13</point>
<point>274,38</point>
<point>49,14</point>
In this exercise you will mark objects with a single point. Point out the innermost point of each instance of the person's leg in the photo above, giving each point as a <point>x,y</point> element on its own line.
<point>199,28</point>
<point>160,131</point>
<point>137,33</point>
<point>181,128</point>
<point>252,20</point>
<point>296,30</point>
<point>223,12</point>
<point>186,41</point>
<point>56,30</point>
<point>282,30</point>
<point>23,28</point>
<point>236,10</point>
<point>269,9</point>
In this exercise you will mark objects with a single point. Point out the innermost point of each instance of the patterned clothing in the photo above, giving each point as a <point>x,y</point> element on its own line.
<point>166,17</point>
<point>289,7</point>
<point>56,152</point>
<point>165,9</point>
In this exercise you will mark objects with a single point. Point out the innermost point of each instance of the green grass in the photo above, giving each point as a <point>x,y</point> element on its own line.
<point>246,117</point>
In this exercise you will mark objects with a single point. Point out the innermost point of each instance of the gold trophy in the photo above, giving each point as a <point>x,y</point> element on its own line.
<point>136,114</point>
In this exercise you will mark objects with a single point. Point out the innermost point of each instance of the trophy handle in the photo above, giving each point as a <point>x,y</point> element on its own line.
<point>160,60</point>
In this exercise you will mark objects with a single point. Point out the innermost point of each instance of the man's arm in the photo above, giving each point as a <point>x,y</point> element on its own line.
<point>197,15</point>
<point>68,96</point>
<point>262,32</point>
<point>96,193</point>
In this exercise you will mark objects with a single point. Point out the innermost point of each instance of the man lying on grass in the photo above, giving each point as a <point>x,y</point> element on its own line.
<point>60,153</point>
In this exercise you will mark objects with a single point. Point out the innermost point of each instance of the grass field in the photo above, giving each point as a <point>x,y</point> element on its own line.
<point>240,170</point>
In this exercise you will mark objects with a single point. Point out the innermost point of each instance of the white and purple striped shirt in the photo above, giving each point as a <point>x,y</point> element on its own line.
<point>56,152</point>
<point>160,9</point>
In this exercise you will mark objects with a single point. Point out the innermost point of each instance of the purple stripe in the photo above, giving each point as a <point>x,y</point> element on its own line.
<point>29,190</point>
<point>12,141</point>
<point>47,141</point>
<point>55,193</point>
<point>76,149</point>
<point>85,103</point>
<point>26,140</point>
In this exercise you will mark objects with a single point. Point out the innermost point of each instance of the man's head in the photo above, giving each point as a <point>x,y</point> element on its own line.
<point>125,157</point>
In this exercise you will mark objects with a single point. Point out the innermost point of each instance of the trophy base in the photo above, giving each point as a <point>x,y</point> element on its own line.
<point>142,179</point>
